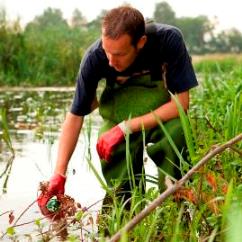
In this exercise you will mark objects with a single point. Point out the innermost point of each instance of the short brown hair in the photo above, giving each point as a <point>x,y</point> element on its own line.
<point>124,20</point>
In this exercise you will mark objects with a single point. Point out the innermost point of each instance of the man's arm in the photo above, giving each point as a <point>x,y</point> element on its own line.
<point>69,135</point>
<point>114,136</point>
<point>165,112</point>
<point>68,139</point>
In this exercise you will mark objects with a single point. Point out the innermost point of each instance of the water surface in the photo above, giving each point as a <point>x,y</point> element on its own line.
<point>34,120</point>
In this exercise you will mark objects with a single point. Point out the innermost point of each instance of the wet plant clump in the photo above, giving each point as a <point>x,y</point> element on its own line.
<point>65,205</point>
<point>60,210</point>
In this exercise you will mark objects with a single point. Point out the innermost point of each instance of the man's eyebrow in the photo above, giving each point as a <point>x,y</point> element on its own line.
<point>116,53</point>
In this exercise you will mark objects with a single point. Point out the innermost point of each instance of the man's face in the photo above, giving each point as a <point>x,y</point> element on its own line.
<point>120,52</point>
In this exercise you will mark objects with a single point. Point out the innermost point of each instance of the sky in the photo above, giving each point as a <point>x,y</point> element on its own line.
<point>227,13</point>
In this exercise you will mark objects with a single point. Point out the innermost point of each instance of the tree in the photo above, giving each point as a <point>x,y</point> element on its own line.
<point>96,23</point>
<point>78,20</point>
<point>235,40</point>
<point>196,31</point>
<point>52,54</point>
<point>12,47</point>
<point>51,18</point>
<point>164,13</point>
<point>227,41</point>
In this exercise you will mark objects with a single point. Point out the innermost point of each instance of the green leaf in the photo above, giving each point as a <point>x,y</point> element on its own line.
<point>186,128</point>
<point>173,145</point>
<point>37,222</point>
<point>10,231</point>
<point>124,236</point>
<point>79,215</point>
<point>103,184</point>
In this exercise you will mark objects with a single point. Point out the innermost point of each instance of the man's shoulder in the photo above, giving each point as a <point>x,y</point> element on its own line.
<point>95,52</point>
<point>162,30</point>
<point>95,47</point>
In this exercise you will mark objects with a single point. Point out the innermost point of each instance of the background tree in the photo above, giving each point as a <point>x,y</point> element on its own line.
<point>78,20</point>
<point>49,19</point>
<point>46,39</point>
<point>48,50</point>
<point>95,25</point>
<point>12,51</point>
<point>234,40</point>
<point>164,13</point>
<point>196,32</point>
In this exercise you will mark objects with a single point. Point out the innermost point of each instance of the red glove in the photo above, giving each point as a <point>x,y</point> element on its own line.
<point>56,186</point>
<point>108,141</point>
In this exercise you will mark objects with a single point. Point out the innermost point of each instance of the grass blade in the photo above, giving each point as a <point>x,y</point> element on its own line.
<point>186,128</point>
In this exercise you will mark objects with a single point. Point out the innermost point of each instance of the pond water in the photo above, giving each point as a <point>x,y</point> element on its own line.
<point>34,118</point>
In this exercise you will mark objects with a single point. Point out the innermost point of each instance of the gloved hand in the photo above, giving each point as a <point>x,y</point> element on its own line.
<point>56,186</point>
<point>108,141</point>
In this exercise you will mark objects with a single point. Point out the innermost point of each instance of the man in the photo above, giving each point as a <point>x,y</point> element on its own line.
<point>140,64</point>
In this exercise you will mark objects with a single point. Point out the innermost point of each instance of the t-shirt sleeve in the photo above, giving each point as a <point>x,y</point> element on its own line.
<point>180,73</point>
<point>86,85</point>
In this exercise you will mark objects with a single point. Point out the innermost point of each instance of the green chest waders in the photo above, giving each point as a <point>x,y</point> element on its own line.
<point>136,97</point>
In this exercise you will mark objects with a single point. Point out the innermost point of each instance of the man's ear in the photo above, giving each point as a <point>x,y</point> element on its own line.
<point>142,42</point>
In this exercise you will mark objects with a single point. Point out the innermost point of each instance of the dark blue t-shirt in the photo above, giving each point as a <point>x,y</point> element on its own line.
<point>165,45</point>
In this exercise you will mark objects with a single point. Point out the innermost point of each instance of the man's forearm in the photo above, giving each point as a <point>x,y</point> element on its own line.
<point>68,139</point>
<point>164,113</point>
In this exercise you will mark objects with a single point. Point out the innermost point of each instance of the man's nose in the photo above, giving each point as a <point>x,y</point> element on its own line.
<point>112,60</point>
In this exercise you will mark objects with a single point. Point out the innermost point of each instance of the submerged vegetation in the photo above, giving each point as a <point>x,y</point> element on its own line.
<point>208,207</point>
